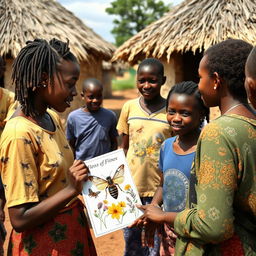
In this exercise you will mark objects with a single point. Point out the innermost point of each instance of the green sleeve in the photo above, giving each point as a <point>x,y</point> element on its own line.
<point>211,219</point>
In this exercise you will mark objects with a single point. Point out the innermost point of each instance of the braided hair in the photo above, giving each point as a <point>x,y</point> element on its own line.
<point>189,88</point>
<point>35,59</point>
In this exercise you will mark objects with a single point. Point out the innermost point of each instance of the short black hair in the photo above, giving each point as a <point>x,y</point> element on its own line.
<point>189,88</point>
<point>251,63</point>
<point>152,62</point>
<point>91,83</point>
<point>36,58</point>
<point>228,59</point>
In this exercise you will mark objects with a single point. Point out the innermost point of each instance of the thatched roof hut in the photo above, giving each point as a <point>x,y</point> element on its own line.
<point>180,36</point>
<point>23,20</point>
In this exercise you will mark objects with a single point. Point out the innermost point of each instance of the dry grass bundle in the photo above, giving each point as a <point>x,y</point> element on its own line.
<point>23,20</point>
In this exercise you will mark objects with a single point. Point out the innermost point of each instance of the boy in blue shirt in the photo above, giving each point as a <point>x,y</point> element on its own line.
<point>91,130</point>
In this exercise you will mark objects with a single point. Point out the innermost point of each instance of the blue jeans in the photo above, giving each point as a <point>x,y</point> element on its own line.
<point>132,237</point>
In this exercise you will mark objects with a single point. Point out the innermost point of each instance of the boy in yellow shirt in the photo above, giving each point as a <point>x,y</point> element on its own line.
<point>144,127</point>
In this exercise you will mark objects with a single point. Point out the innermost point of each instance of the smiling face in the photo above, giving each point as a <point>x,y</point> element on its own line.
<point>207,85</point>
<point>149,81</point>
<point>60,95</point>
<point>93,97</point>
<point>183,114</point>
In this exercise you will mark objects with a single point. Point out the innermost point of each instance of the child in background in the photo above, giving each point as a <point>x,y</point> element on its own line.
<point>7,108</point>
<point>250,81</point>
<point>91,130</point>
<point>7,102</point>
<point>185,114</point>
<point>40,176</point>
<point>143,126</point>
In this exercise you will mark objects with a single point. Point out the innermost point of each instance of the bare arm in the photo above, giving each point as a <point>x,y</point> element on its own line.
<point>29,215</point>
<point>158,196</point>
<point>72,144</point>
<point>2,204</point>
<point>155,214</point>
<point>113,141</point>
<point>125,143</point>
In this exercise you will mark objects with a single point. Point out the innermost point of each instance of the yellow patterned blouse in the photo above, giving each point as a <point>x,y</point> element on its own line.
<point>146,134</point>
<point>34,161</point>
<point>222,219</point>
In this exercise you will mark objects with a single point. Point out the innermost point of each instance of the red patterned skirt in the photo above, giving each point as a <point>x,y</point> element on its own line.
<point>232,246</point>
<point>66,234</point>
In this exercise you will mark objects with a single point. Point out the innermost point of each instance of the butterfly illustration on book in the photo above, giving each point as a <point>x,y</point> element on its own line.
<point>93,194</point>
<point>110,183</point>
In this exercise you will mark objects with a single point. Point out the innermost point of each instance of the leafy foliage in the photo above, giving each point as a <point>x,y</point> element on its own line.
<point>127,83</point>
<point>134,15</point>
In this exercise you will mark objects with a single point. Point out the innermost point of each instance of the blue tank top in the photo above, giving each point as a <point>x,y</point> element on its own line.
<point>176,174</point>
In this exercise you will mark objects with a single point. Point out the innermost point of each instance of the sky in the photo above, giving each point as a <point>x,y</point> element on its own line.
<point>92,13</point>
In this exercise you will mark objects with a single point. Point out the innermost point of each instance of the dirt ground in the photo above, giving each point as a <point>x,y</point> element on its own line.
<point>113,243</point>
<point>118,98</point>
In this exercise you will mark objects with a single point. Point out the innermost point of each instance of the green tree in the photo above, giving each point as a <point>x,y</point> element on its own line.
<point>134,15</point>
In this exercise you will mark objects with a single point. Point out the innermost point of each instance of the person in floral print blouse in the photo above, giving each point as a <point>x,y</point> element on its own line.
<point>220,217</point>
<point>144,127</point>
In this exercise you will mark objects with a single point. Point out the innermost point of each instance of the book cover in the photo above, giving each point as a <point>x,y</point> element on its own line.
<point>110,194</point>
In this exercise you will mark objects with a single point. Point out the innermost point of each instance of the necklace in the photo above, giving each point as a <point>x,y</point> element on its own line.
<point>231,108</point>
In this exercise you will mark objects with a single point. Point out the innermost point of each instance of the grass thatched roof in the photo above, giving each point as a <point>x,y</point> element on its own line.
<point>192,25</point>
<point>23,20</point>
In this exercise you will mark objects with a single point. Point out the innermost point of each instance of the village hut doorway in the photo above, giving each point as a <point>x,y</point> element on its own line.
<point>190,63</point>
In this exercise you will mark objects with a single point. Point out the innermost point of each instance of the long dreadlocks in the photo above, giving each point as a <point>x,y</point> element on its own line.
<point>35,59</point>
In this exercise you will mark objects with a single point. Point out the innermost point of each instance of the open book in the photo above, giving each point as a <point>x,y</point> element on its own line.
<point>110,194</point>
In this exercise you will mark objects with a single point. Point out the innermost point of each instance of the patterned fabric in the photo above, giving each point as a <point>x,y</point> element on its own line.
<point>92,132</point>
<point>67,234</point>
<point>132,237</point>
<point>7,106</point>
<point>34,161</point>
<point>223,220</point>
<point>146,134</point>
<point>168,240</point>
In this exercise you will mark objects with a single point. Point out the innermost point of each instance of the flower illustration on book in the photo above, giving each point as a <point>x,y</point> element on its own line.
<point>122,204</point>
<point>127,187</point>
<point>115,211</point>
<point>100,213</point>
<point>131,200</point>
